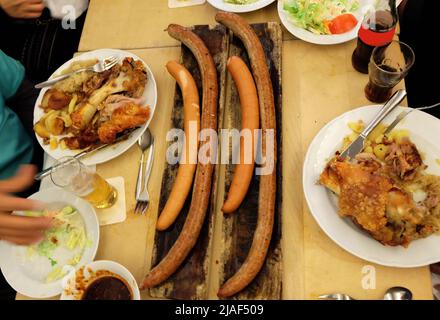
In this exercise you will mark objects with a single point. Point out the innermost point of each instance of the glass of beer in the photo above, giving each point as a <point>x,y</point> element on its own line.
<point>71,174</point>
<point>388,66</point>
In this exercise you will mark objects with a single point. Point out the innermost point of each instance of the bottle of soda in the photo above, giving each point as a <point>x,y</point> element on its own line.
<point>377,29</point>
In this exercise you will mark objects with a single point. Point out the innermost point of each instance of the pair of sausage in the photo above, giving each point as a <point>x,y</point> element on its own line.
<point>202,181</point>
<point>250,121</point>
<point>202,184</point>
<point>266,202</point>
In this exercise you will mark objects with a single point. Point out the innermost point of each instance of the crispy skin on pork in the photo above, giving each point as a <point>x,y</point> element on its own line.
<point>363,195</point>
<point>374,201</point>
<point>128,116</point>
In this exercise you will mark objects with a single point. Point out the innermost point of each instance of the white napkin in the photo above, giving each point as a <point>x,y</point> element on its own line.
<point>60,8</point>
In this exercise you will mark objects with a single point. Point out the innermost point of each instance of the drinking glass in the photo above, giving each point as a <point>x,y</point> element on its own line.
<point>388,66</point>
<point>71,174</point>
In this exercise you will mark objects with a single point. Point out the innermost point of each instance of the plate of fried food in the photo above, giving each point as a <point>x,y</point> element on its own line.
<point>384,205</point>
<point>89,109</point>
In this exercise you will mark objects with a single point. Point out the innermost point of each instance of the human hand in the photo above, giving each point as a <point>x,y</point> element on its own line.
<point>23,9</point>
<point>17,229</point>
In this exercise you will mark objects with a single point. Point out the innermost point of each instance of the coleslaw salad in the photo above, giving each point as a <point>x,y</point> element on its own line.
<point>64,242</point>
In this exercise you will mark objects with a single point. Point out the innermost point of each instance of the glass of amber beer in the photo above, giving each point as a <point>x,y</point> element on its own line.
<point>71,174</point>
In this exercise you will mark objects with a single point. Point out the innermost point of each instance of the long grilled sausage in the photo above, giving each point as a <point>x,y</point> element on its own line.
<point>250,120</point>
<point>266,202</point>
<point>202,183</point>
<point>187,168</point>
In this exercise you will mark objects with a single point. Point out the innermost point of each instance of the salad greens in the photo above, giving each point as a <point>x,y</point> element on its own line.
<point>240,1</point>
<point>67,233</point>
<point>313,15</point>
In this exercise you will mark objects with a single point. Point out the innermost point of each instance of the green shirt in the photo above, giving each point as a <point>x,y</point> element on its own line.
<point>15,143</point>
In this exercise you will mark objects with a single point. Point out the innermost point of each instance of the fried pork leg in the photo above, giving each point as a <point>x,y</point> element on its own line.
<point>370,197</point>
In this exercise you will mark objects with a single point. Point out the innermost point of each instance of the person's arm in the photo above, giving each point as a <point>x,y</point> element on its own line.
<point>22,9</point>
<point>11,75</point>
<point>18,229</point>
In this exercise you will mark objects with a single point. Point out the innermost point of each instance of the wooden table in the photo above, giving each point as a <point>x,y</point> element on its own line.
<point>319,84</point>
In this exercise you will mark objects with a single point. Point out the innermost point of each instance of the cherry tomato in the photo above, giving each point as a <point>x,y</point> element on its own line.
<point>342,23</point>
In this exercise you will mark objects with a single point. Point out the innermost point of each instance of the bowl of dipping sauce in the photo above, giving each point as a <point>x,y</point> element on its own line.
<point>100,280</point>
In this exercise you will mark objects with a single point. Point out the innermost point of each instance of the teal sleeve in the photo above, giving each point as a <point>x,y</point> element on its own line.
<point>12,74</point>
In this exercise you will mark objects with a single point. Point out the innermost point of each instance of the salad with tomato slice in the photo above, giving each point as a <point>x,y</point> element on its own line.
<point>323,16</point>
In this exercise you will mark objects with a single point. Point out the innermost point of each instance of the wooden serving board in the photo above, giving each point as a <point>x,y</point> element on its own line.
<point>238,228</point>
<point>224,242</point>
<point>191,279</point>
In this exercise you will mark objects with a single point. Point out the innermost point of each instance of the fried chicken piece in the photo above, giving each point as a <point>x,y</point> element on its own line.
<point>126,117</point>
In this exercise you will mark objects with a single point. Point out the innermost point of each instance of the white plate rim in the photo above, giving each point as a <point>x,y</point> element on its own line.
<point>113,151</point>
<point>239,8</point>
<point>92,225</point>
<point>308,180</point>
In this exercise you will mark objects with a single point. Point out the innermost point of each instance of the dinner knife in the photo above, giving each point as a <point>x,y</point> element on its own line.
<point>357,145</point>
<point>46,172</point>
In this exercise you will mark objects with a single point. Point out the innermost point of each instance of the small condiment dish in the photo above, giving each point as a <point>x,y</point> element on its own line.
<point>77,284</point>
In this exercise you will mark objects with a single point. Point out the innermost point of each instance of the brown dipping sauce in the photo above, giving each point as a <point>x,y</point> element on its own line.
<point>107,288</point>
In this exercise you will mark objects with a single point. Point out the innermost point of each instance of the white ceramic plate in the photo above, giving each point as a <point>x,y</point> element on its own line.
<point>319,38</point>
<point>424,132</point>
<point>106,154</point>
<point>28,276</point>
<point>69,280</point>
<point>325,39</point>
<point>229,7</point>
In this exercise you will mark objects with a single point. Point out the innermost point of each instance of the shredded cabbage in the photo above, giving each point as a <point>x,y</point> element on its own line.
<point>67,232</point>
<point>312,14</point>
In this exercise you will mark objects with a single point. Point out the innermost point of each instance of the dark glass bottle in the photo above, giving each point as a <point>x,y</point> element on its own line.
<point>377,29</point>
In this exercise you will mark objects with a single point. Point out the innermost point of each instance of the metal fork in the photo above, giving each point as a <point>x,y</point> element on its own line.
<point>100,66</point>
<point>142,195</point>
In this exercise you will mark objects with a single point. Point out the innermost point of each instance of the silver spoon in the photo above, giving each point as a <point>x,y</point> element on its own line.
<point>398,293</point>
<point>394,293</point>
<point>144,142</point>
